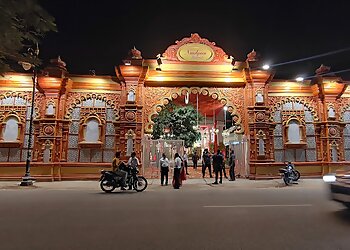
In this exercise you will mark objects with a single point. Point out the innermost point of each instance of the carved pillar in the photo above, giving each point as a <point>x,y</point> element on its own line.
<point>259,127</point>
<point>261,134</point>
<point>52,131</point>
<point>329,90</point>
<point>131,107</point>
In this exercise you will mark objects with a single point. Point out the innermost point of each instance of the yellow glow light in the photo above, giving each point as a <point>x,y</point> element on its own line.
<point>160,78</point>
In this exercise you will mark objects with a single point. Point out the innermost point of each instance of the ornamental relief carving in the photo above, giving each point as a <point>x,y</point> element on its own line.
<point>260,117</point>
<point>333,132</point>
<point>156,98</point>
<point>344,105</point>
<point>130,115</point>
<point>171,51</point>
<point>20,114</point>
<point>276,102</point>
<point>48,130</point>
<point>22,108</point>
<point>74,99</point>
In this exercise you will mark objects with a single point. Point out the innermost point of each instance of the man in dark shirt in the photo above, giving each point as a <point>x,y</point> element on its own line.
<point>195,160</point>
<point>232,163</point>
<point>206,163</point>
<point>218,162</point>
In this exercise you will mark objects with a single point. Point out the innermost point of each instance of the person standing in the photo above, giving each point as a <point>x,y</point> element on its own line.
<point>195,160</point>
<point>177,169</point>
<point>133,162</point>
<point>206,163</point>
<point>218,161</point>
<point>185,162</point>
<point>164,169</point>
<point>224,166</point>
<point>232,164</point>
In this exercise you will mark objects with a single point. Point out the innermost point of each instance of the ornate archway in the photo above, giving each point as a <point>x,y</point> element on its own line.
<point>157,98</point>
<point>276,103</point>
<point>79,98</point>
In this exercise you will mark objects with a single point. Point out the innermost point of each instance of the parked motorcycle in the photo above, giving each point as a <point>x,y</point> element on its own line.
<point>289,174</point>
<point>110,180</point>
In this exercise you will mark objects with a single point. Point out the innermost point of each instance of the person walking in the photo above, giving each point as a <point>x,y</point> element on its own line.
<point>177,169</point>
<point>206,163</point>
<point>164,169</point>
<point>195,160</point>
<point>232,164</point>
<point>218,161</point>
<point>185,162</point>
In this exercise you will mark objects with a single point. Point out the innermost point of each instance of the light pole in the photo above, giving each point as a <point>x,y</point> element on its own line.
<point>225,109</point>
<point>27,180</point>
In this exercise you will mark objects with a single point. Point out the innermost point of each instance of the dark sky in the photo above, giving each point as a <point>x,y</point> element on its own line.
<point>98,34</point>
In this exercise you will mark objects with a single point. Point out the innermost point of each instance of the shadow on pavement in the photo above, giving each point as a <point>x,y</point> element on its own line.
<point>118,192</point>
<point>343,215</point>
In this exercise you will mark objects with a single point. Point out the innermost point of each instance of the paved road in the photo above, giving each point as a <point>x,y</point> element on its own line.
<point>241,215</point>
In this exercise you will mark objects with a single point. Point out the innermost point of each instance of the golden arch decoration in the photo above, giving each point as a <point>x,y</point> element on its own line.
<point>27,97</point>
<point>279,104</point>
<point>175,93</point>
<point>83,98</point>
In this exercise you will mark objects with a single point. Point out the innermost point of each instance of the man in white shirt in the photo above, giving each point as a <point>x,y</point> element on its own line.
<point>185,158</point>
<point>133,162</point>
<point>164,169</point>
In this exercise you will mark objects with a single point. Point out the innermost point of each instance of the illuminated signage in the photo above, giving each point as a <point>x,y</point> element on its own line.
<point>195,52</point>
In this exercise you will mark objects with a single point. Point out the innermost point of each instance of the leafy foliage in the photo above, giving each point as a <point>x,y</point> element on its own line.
<point>180,120</point>
<point>22,25</point>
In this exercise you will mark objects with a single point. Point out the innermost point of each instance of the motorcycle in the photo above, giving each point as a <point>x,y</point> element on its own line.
<point>289,174</point>
<point>110,180</point>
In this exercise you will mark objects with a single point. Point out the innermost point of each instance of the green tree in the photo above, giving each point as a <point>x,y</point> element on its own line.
<point>180,120</point>
<point>22,25</point>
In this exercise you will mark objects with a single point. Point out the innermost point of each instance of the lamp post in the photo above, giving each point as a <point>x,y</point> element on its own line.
<point>225,109</point>
<point>27,180</point>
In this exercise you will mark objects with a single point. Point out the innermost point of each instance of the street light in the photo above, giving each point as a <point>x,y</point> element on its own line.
<point>225,109</point>
<point>266,67</point>
<point>299,79</point>
<point>27,180</point>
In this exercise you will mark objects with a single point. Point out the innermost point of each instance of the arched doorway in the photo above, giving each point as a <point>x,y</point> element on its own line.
<point>161,96</point>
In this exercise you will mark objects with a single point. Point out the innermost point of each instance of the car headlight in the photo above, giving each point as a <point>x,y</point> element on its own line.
<point>329,178</point>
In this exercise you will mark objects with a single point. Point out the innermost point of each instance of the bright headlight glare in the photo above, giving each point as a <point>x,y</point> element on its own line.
<point>329,178</point>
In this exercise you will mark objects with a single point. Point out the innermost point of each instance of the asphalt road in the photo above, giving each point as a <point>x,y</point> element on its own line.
<point>198,216</point>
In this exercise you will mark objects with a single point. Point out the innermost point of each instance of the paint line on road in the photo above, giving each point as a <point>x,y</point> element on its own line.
<point>258,206</point>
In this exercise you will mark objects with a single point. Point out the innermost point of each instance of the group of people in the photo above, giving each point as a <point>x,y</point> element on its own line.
<point>218,162</point>
<point>119,168</point>
<point>180,167</point>
<point>180,170</point>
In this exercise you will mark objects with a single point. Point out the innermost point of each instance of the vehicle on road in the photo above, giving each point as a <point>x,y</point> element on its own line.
<point>339,186</point>
<point>110,180</point>
<point>289,174</point>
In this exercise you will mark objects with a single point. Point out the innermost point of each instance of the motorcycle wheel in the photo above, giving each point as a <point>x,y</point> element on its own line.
<point>286,180</point>
<point>296,175</point>
<point>140,183</point>
<point>105,187</point>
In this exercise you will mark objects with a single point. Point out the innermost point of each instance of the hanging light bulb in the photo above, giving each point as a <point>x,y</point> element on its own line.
<point>187,97</point>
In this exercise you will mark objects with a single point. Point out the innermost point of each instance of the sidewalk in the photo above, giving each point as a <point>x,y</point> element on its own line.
<point>155,184</point>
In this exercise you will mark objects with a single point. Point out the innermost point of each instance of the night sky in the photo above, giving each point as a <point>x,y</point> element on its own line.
<point>98,34</point>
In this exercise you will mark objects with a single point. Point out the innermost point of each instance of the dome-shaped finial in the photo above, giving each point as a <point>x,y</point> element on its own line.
<point>251,57</point>
<point>322,69</point>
